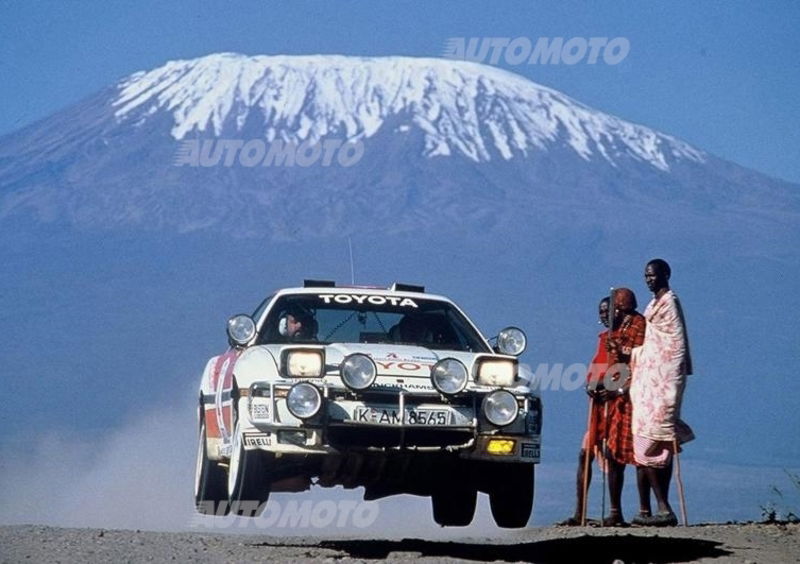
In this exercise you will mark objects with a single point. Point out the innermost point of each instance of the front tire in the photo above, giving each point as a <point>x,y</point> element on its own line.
<point>453,502</point>
<point>210,491</point>
<point>511,496</point>
<point>248,484</point>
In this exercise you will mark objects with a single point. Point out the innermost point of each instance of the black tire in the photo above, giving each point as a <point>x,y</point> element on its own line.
<point>511,496</point>
<point>210,481</point>
<point>454,504</point>
<point>248,486</point>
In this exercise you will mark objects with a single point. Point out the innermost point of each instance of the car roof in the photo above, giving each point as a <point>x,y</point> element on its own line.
<point>362,290</point>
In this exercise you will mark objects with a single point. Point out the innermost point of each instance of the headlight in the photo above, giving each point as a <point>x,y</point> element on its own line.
<point>303,363</point>
<point>497,372</point>
<point>449,376</point>
<point>500,408</point>
<point>303,400</point>
<point>241,328</point>
<point>512,341</point>
<point>358,371</point>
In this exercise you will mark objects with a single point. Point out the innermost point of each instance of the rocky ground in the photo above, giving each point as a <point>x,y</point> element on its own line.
<point>761,543</point>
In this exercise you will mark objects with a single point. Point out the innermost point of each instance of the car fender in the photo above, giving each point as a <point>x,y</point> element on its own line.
<point>216,397</point>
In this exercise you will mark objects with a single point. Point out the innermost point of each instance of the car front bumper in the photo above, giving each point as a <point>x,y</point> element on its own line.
<point>389,421</point>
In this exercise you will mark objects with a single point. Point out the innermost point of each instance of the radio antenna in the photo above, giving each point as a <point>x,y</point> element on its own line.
<point>352,268</point>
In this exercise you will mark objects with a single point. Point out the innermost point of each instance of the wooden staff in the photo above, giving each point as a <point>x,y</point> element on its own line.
<point>604,462</point>
<point>679,481</point>
<point>604,450</point>
<point>586,451</point>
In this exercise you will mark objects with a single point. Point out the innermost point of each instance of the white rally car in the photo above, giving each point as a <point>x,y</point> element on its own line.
<point>393,390</point>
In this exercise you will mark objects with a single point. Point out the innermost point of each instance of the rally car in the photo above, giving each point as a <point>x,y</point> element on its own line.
<point>390,389</point>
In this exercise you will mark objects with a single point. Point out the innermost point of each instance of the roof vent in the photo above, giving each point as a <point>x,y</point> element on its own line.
<point>399,287</point>
<point>319,284</point>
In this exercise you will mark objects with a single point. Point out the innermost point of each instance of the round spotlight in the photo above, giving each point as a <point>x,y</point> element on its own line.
<point>500,408</point>
<point>241,328</point>
<point>303,400</point>
<point>512,341</point>
<point>358,372</point>
<point>449,376</point>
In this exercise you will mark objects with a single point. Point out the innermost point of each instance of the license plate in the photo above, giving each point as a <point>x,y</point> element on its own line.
<point>391,416</point>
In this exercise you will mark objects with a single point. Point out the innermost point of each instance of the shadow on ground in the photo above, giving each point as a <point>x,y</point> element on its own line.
<point>627,548</point>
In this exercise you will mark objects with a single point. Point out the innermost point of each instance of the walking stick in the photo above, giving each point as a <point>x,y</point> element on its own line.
<point>587,450</point>
<point>604,462</point>
<point>679,480</point>
<point>612,310</point>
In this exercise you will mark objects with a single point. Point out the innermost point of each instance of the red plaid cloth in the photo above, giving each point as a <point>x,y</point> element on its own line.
<point>614,424</point>
<point>616,429</point>
<point>620,436</point>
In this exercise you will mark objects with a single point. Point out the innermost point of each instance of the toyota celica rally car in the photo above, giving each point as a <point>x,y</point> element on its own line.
<point>393,390</point>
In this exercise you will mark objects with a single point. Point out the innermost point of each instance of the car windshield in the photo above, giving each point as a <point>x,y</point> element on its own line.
<point>369,318</point>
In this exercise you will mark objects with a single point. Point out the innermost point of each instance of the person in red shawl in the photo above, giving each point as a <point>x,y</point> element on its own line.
<point>608,381</point>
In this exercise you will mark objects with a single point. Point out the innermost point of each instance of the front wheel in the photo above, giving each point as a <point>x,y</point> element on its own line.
<point>511,496</point>
<point>210,491</point>
<point>248,483</point>
<point>454,507</point>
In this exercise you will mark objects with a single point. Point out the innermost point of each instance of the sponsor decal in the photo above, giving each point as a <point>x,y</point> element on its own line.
<point>403,387</point>
<point>362,299</point>
<point>530,450</point>
<point>257,439</point>
<point>405,366</point>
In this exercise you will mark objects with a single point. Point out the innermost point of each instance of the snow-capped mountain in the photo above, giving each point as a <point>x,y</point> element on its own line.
<point>444,144</point>
<point>460,107</point>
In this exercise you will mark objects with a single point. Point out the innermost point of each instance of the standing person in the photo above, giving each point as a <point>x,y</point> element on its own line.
<point>660,367</point>
<point>628,333</point>
<point>594,433</point>
<point>607,383</point>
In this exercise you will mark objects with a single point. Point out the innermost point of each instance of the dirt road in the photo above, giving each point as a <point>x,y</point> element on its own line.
<point>702,543</point>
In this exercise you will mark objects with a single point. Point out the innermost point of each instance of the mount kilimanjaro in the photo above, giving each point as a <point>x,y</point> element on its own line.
<point>524,205</point>
<point>447,145</point>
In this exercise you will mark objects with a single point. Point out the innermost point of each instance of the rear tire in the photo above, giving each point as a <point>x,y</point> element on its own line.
<point>210,491</point>
<point>511,495</point>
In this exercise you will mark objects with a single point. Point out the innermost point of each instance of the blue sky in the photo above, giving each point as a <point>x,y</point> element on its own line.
<point>723,76</point>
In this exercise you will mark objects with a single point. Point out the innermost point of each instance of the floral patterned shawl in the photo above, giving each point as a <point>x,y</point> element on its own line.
<point>659,369</point>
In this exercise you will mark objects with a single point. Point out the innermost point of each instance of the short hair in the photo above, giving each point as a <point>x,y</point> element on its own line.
<point>606,300</point>
<point>661,266</point>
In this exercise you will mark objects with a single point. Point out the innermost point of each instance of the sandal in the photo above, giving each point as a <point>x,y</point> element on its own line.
<point>614,520</point>
<point>569,522</point>
<point>667,519</point>
<point>642,518</point>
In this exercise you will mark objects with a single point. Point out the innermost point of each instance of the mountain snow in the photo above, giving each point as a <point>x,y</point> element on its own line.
<point>460,107</point>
